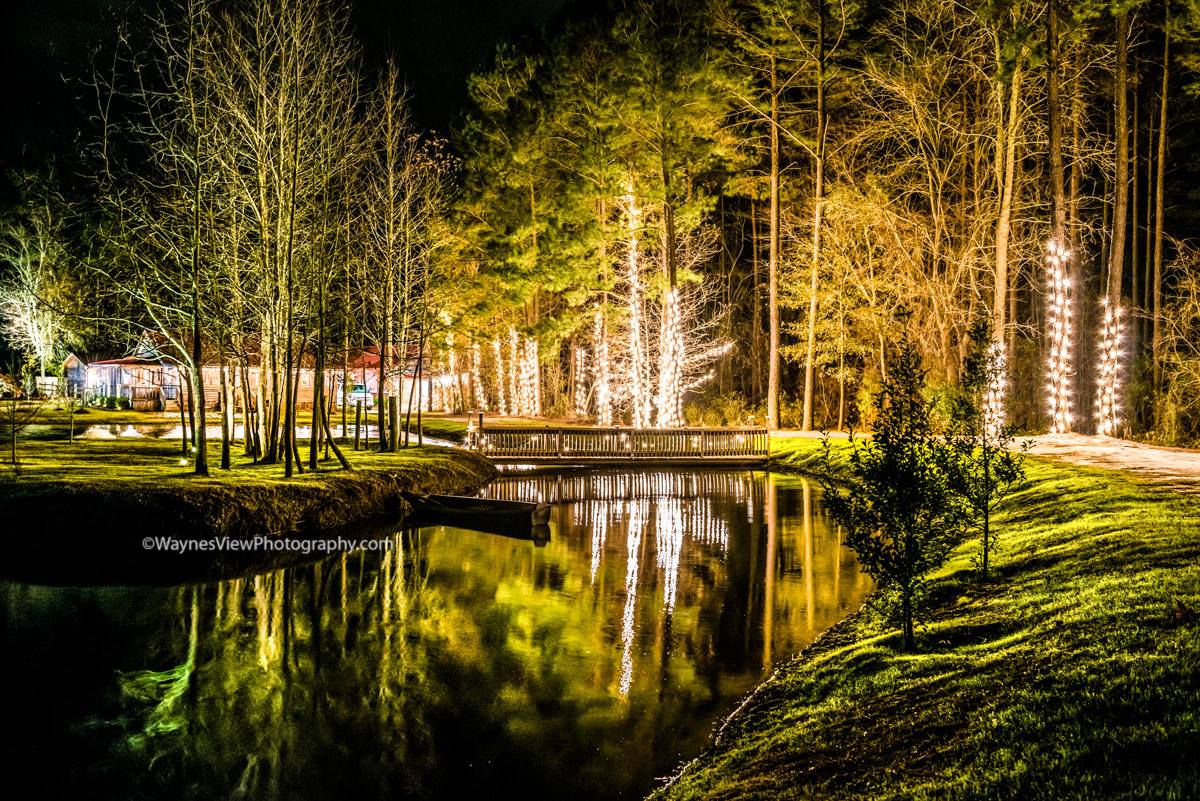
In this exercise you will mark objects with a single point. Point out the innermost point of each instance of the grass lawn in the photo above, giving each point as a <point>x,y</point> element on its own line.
<point>1074,673</point>
<point>153,461</point>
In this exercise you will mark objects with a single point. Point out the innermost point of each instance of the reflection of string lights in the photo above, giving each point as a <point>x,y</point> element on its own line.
<point>637,514</point>
<point>685,510</point>
<point>1108,371</point>
<point>1059,312</point>
<point>604,412</point>
<point>599,525</point>
<point>667,546</point>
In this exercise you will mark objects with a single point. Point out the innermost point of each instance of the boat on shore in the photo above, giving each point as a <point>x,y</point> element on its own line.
<point>517,519</point>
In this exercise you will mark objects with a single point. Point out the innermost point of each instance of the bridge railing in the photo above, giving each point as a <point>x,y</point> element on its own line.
<point>612,444</point>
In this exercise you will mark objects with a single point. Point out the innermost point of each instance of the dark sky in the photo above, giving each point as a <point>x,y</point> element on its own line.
<point>45,48</point>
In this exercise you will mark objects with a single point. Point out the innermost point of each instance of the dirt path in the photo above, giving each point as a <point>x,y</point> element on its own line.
<point>1169,468</point>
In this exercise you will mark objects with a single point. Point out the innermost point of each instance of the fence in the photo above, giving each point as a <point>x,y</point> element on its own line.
<point>582,445</point>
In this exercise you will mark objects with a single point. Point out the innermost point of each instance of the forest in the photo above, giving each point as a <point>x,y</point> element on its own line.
<point>655,214</point>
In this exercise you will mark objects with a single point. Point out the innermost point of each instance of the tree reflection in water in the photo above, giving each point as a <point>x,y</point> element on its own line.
<point>456,663</point>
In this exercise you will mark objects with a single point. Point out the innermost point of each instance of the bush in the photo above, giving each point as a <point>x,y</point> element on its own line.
<point>730,409</point>
<point>124,404</point>
<point>894,502</point>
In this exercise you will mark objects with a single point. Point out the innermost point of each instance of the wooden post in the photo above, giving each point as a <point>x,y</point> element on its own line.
<point>358,410</point>
<point>394,417</point>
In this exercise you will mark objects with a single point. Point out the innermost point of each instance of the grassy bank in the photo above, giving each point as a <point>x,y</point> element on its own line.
<point>97,499</point>
<point>1074,673</point>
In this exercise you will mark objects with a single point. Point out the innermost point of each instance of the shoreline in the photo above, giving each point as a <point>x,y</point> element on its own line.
<point>1010,693</point>
<point>87,522</point>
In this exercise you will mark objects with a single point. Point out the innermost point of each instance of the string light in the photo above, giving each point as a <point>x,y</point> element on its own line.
<point>1059,313</point>
<point>525,375</point>
<point>476,378</point>
<point>534,371</point>
<point>997,386</point>
<point>501,395</point>
<point>452,364</point>
<point>638,385</point>
<point>1108,371</point>
<point>670,364</point>
<point>579,360</point>
<point>604,411</point>
<point>513,360</point>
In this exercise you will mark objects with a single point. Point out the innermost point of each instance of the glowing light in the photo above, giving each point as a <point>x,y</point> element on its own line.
<point>579,360</point>
<point>1108,371</point>
<point>997,387</point>
<point>668,545</point>
<point>670,364</point>
<point>1059,313</point>
<point>637,515</point>
<point>604,411</point>
<point>501,395</point>
<point>638,382</point>
<point>513,361</point>
<point>599,533</point>
<point>477,396</point>
<point>527,386</point>
<point>452,363</point>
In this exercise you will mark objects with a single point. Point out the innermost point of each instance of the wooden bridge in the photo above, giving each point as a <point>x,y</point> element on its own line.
<point>622,445</point>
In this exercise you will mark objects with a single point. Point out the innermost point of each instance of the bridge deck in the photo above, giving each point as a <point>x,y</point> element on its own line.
<point>622,445</point>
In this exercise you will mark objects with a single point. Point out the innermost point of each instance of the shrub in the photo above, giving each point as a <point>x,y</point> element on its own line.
<point>894,501</point>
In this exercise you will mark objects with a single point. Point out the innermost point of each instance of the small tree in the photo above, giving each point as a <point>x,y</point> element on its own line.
<point>894,501</point>
<point>18,413</point>
<point>987,468</point>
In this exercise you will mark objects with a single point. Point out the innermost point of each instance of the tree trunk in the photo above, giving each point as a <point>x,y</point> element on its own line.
<point>1004,222</point>
<point>1116,256</point>
<point>1057,171</point>
<point>773,365</point>
<point>756,349</point>
<point>818,209</point>
<point>226,422</point>
<point>1159,197</point>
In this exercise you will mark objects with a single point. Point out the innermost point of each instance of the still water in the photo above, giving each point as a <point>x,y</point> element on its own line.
<point>455,665</point>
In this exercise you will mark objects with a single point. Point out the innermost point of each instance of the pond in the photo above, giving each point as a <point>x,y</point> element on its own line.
<point>455,664</point>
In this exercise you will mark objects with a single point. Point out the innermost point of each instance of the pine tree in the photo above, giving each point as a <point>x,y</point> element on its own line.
<point>895,501</point>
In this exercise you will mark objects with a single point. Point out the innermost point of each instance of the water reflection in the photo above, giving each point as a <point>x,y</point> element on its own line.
<point>454,664</point>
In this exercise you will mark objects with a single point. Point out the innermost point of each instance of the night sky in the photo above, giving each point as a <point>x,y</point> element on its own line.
<point>45,48</point>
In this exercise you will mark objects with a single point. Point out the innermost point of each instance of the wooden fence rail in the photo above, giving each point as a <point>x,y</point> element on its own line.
<point>616,445</point>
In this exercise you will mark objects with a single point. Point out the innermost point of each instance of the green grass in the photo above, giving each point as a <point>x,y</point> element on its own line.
<point>1068,676</point>
<point>804,454</point>
<point>153,461</point>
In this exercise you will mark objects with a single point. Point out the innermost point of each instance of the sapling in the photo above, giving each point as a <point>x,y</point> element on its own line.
<point>987,468</point>
<point>894,501</point>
